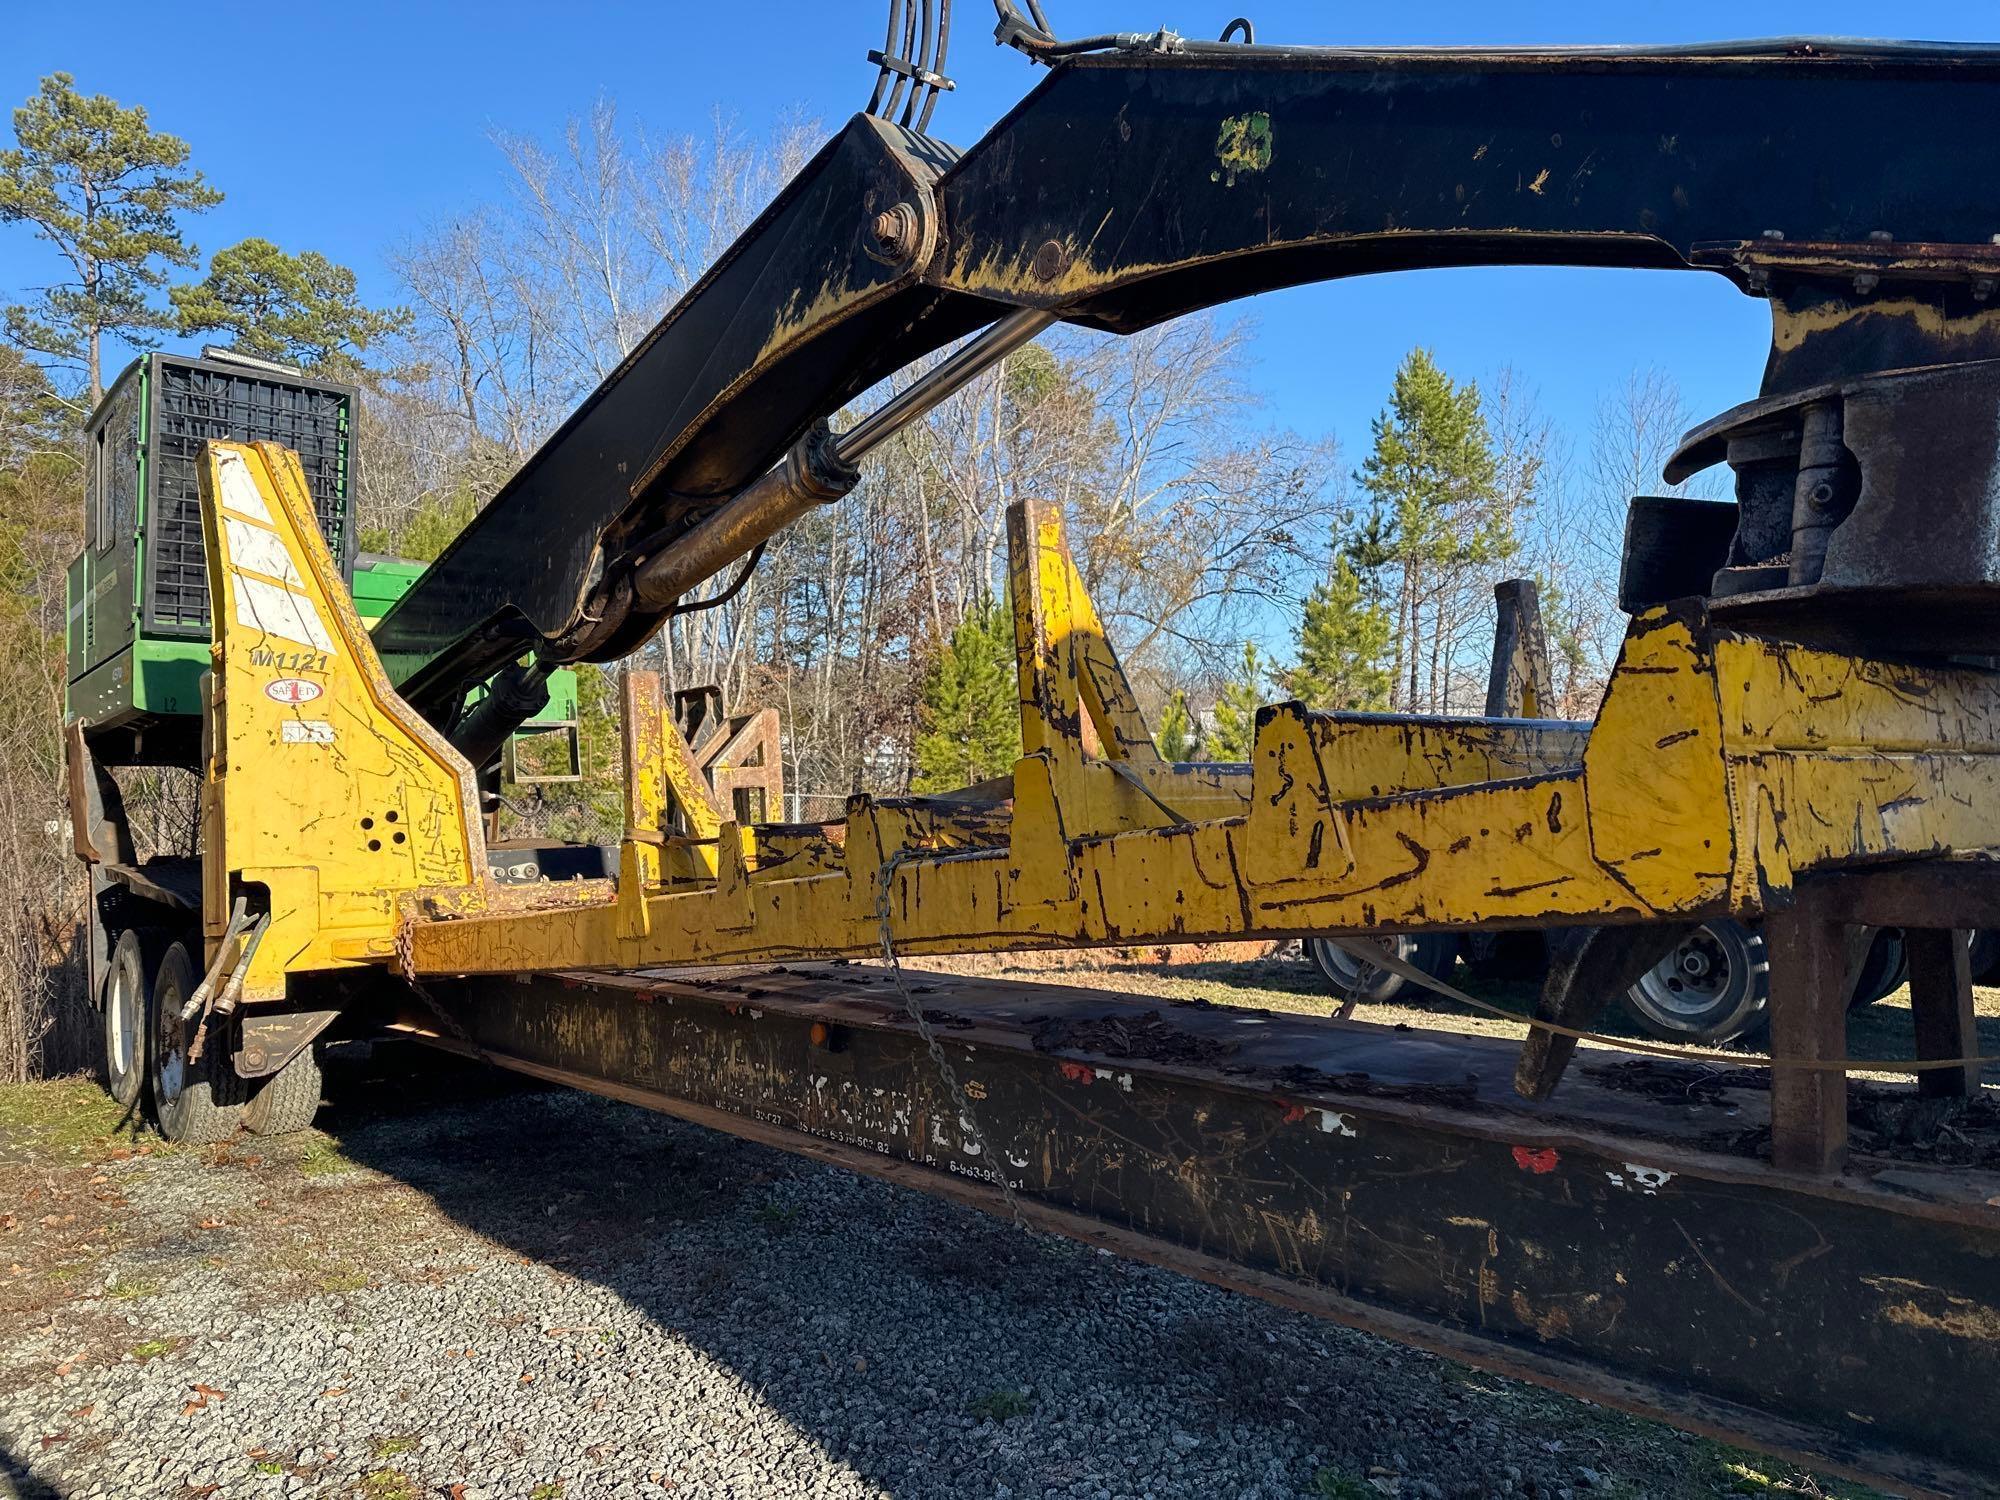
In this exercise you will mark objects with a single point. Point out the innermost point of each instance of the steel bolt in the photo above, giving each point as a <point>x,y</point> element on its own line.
<point>893,234</point>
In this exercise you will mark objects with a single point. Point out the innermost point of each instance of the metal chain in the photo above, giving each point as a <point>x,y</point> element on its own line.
<point>968,1120</point>
<point>406,962</point>
<point>450,1022</point>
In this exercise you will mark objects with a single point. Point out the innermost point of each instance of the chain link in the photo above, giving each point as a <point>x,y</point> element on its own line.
<point>450,1022</point>
<point>406,962</point>
<point>968,1119</point>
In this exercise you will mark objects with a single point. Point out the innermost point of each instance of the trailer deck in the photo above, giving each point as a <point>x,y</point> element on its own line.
<point>1624,1241</point>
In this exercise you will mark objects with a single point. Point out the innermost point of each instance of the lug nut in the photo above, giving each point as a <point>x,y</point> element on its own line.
<point>893,234</point>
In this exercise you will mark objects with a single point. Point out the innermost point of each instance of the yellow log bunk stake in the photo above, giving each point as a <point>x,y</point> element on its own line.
<point>324,795</point>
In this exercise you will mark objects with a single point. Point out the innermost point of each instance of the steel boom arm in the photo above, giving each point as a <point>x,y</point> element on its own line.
<point>1133,186</point>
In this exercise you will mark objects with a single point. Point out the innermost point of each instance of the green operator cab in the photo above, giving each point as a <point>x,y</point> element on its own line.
<point>138,620</point>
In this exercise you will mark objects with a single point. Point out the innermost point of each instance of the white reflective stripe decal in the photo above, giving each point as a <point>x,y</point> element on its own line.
<point>239,490</point>
<point>260,551</point>
<point>266,608</point>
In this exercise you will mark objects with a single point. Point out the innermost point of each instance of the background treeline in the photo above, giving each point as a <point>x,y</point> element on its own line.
<point>1234,562</point>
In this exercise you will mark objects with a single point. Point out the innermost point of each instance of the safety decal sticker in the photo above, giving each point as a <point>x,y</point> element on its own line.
<point>292,690</point>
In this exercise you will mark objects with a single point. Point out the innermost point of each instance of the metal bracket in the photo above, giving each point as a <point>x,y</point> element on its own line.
<point>265,1043</point>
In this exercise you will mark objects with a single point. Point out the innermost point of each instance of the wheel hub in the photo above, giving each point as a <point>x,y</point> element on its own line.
<point>1692,978</point>
<point>125,1023</point>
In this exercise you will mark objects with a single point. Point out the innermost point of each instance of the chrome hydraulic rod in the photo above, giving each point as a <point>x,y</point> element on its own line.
<point>820,469</point>
<point>950,375</point>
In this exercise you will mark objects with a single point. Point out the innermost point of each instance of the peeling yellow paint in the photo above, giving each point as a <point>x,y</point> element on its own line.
<point>1959,1317</point>
<point>1549,1323</point>
<point>1791,327</point>
<point>1242,146</point>
<point>319,783</point>
<point>1679,804</point>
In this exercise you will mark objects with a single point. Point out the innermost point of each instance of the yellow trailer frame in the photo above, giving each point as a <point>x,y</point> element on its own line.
<point>1723,767</point>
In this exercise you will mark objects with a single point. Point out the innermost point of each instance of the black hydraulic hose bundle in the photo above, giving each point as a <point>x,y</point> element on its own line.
<point>917,65</point>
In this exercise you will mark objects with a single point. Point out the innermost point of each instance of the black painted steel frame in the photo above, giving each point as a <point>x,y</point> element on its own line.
<point>1128,188</point>
<point>1614,1244</point>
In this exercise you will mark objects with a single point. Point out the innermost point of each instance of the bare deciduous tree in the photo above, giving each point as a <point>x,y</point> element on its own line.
<point>1578,547</point>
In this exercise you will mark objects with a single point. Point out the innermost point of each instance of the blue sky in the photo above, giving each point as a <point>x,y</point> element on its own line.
<point>345,128</point>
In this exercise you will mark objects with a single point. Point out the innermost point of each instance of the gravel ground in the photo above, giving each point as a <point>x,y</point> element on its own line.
<point>467,1288</point>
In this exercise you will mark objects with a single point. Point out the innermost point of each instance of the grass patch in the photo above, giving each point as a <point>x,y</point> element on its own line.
<point>62,1121</point>
<point>388,1484</point>
<point>133,1290</point>
<point>392,1447</point>
<point>342,1279</point>
<point>1744,1479</point>
<point>322,1158</point>
<point>1732,1471</point>
<point>1002,1405</point>
<point>269,1466</point>
<point>153,1349</point>
<point>777,1215</point>
<point>1331,1484</point>
<point>551,1490</point>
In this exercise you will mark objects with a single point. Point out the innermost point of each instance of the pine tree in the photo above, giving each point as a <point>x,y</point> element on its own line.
<point>969,721</point>
<point>106,190</point>
<point>299,308</point>
<point>1343,642</point>
<point>1176,739</point>
<point>1434,482</point>
<point>1236,709</point>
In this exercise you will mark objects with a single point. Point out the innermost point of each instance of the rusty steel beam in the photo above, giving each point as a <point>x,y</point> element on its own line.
<point>1614,1246</point>
<point>1941,1006</point>
<point>1809,966</point>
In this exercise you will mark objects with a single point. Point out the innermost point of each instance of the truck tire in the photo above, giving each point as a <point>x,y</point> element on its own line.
<point>288,1099</point>
<point>1350,978</point>
<point>1884,970</point>
<point>194,1104</point>
<point>1714,987</point>
<point>135,958</point>
<point>1985,956</point>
